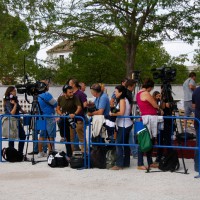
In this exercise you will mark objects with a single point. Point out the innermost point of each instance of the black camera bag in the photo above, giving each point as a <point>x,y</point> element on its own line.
<point>12,155</point>
<point>169,162</point>
<point>56,159</point>
<point>76,162</point>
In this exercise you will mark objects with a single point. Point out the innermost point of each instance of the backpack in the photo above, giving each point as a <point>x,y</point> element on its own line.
<point>77,160</point>
<point>98,157</point>
<point>56,159</point>
<point>170,162</point>
<point>12,155</point>
<point>111,158</point>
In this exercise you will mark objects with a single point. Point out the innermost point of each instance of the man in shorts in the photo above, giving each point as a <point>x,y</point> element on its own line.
<point>47,104</point>
<point>188,87</point>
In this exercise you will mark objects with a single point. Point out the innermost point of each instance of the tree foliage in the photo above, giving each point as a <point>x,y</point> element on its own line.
<point>136,21</point>
<point>92,61</point>
<point>15,50</point>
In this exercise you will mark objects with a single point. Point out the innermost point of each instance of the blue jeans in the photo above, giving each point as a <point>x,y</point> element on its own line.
<point>196,156</point>
<point>123,152</point>
<point>141,155</point>
<point>134,149</point>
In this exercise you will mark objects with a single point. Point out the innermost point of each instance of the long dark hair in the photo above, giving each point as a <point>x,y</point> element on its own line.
<point>122,89</point>
<point>7,93</point>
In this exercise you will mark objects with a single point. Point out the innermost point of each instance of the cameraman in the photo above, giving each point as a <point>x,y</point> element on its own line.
<point>47,104</point>
<point>68,104</point>
<point>166,104</point>
<point>12,107</point>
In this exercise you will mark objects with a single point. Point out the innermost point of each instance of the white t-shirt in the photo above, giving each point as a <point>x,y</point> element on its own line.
<point>125,122</point>
<point>186,90</point>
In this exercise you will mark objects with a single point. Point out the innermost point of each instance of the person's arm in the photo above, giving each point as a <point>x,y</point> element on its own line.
<point>78,110</point>
<point>192,85</point>
<point>58,107</point>
<point>14,109</point>
<point>122,107</point>
<point>147,96</point>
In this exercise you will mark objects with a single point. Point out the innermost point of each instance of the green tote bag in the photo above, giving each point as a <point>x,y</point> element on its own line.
<point>144,139</point>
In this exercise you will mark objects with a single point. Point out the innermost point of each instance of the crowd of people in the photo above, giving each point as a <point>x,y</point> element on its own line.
<point>118,110</point>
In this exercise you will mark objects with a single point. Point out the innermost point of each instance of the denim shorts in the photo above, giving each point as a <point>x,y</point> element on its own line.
<point>50,129</point>
<point>188,108</point>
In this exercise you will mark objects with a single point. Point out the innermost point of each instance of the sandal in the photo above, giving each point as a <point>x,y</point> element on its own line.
<point>142,167</point>
<point>154,165</point>
<point>116,168</point>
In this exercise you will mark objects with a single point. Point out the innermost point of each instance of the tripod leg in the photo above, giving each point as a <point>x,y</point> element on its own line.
<point>28,136</point>
<point>182,157</point>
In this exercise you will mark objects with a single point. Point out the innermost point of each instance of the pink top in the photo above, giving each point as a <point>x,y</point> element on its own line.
<point>145,107</point>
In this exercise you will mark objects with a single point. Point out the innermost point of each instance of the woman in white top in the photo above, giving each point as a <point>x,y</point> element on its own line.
<point>124,126</point>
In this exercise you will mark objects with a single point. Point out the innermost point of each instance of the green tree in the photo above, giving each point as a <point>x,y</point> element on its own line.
<point>197,56</point>
<point>135,20</point>
<point>15,48</point>
<point>92,61</point>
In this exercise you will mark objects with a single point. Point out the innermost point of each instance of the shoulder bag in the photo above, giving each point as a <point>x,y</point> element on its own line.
<point>9,127</point>
<point>144,139</point>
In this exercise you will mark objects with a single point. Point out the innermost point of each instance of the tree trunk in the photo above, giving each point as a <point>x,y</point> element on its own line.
<point>130,59</point>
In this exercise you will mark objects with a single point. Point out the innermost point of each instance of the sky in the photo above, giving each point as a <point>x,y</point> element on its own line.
<point>174,48</point>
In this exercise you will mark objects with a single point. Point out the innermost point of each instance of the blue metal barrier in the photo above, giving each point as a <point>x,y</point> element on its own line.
<point>40,124</point>
<point>87,150</point>
<point>157,146</point>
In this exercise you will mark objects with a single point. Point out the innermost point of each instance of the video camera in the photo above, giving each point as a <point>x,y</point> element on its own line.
<point>136,75</point>
<point>165,73</point>
<point>11,97</point>
<point>31,88</point>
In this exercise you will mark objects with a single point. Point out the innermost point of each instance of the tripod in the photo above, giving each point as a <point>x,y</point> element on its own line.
<point>35,110</point>
<point>135,109</point>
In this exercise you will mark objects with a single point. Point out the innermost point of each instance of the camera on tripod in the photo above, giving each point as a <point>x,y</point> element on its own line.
<point>31,88</point>
<point>164,73</point>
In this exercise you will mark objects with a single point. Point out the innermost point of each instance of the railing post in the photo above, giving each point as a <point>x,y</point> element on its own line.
<point>0,138</point>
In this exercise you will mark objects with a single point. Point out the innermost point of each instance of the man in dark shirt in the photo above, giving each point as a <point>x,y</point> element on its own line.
<point>83,100</point>
<point>70,105</point>
<point>196,107</point>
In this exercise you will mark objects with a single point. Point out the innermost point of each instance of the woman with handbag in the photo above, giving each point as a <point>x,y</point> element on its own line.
<point>12,107</point>
<point>148,106</point>
<point>124,126</point>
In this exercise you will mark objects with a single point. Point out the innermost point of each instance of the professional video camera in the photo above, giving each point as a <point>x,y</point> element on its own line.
<point>136,75</point>
<point>31,88</point>
<point>165,73</point>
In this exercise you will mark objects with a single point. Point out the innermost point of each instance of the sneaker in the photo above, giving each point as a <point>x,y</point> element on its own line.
<point>41,154</point>
<point>33,152</point>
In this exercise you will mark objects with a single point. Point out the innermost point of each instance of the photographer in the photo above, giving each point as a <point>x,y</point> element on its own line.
<point>47,104</point>
<point>99,111</point>
<point>68,104</point>
<point>79,122</point>
<point>12,107</point>
<point>124,126</point>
